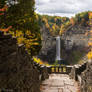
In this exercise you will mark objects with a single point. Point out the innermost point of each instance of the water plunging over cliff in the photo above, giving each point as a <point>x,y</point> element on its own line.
<point>58,44</point>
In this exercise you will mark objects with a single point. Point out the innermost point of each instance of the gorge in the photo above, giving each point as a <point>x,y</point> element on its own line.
<point>40,53</point>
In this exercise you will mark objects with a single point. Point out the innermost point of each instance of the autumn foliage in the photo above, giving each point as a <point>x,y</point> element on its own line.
<point>52,23</point>
<point>20,20</point>
<point>3,10</point>
<point>89,55</point>
<point>6,30</point>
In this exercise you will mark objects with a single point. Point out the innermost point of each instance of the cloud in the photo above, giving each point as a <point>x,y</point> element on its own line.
<point>63,7</point>
<point>41,2</point>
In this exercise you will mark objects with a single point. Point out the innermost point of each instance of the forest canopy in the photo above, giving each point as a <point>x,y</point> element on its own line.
<point>58,25</point>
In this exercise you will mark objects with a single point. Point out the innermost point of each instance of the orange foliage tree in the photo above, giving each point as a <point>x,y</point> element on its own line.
<point>90,33</point>
<point>90,39</point>
<point>3,10</point>
<point>72,21</point>
<point>90,55</point>
<point>6,30</point>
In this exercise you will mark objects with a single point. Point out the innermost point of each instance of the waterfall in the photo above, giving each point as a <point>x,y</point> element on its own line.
<point>58,46</point>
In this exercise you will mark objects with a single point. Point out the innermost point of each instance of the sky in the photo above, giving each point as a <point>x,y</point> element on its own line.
<point>62,8</point>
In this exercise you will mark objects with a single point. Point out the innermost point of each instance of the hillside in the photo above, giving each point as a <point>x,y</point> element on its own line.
<point>52,23</point>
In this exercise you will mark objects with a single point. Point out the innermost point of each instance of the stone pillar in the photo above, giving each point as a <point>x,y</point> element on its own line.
<point>44,73</point>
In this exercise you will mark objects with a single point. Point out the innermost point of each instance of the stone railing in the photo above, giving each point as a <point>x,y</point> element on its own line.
<point>76,71</point>
<point>43,71</point>
<point>59,69</point>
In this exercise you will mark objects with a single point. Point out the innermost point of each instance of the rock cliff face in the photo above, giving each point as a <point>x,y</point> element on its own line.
<point>48,50</point>
<point>17,72</point>
<point>78,36</point>
<point>74,45</point>
<point>86,78</point>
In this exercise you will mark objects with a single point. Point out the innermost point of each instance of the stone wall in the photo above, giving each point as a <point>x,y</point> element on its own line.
<point>77,70</point>
<point>17,73</point>
<point>83,74</point>
<point>86,78</point>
